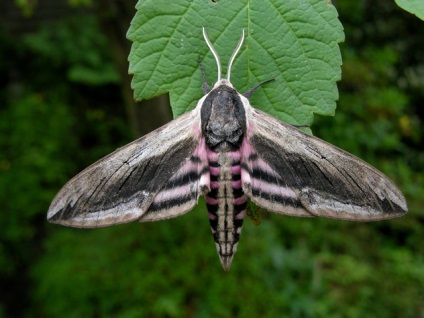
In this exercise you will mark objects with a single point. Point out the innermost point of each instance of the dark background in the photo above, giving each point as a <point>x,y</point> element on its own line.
<point>65,101</point>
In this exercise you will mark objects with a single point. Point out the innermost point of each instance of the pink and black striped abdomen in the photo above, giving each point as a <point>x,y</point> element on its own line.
<point>226,202</point>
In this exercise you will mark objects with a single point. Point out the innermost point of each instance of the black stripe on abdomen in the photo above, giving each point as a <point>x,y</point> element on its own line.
<point>226,202</point>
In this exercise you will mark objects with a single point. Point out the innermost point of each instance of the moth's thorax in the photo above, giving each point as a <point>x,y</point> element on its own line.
<point>223,118</point>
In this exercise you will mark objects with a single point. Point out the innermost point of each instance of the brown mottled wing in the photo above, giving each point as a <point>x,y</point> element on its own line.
<point>122,186</point>
<point>290,172</point>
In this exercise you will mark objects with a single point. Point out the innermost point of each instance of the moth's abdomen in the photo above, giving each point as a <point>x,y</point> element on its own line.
<point>226,202</point>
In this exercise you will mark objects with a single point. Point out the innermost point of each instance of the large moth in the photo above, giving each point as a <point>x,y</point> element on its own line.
<point>229,152</point>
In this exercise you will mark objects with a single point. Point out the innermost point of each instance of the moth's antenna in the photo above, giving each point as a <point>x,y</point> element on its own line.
<point>233,56</point>
<point>208,42</point>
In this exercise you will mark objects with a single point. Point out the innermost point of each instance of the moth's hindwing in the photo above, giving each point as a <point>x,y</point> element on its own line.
<point>122,186</point>
<point>289,172</point>
<point>181,192</point>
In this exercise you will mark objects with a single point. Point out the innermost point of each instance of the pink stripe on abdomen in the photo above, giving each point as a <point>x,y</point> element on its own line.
<point>226,202</point>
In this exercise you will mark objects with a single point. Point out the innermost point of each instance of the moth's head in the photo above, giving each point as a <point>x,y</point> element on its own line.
<point>223,118</point>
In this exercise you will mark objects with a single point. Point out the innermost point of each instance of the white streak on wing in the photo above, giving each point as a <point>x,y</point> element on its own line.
<point>108,217</point>
<point>323,205</point>
<point>122,213</point>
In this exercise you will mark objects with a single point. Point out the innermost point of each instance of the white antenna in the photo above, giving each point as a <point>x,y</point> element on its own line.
<point>208,42</point>
<point>233,56</point>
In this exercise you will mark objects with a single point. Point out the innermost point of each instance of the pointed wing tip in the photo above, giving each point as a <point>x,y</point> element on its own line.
<point>55,217</point>
<point>381,208</point>
<point>52,215</point>
<point>68,217</point>
<point>70,223</point>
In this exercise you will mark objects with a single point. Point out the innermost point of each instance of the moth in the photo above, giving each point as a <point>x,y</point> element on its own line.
<point>229,152</point>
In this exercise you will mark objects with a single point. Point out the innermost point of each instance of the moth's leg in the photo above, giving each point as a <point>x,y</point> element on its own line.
<point>205,86</point>
<point>250,91</point>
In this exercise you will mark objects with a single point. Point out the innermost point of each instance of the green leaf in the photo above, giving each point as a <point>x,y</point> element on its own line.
<point>294,42</point>
<point>415,7</point>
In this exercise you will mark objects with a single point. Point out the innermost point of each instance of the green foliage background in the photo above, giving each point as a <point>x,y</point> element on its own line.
<point>60,110</point>
<point>294,43</point>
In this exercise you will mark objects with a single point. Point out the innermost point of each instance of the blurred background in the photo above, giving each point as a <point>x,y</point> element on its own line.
<point>65,101</point>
